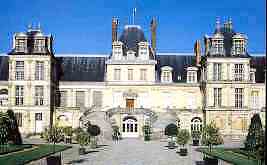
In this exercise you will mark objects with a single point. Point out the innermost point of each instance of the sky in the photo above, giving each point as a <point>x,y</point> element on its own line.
<point>84,26</point>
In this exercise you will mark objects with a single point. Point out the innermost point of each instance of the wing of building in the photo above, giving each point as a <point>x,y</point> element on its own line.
<point>134,85</point>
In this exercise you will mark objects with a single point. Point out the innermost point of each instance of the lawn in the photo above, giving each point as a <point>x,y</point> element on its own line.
<point>8,148</point>
<point>30,154</point>
<point>230,155</point>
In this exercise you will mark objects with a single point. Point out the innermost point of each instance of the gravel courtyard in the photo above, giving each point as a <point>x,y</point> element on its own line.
<point>132,152</point>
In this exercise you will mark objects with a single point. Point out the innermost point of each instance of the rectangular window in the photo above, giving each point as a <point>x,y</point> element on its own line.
<point>39,45</point>
<point>63,99</point>
<point>117,74</point>
<point>217,69</point>
<point>38,116</point>
<point>19,95</point>
<point>166,76</point>
<point>254,99</point>
<point>39,70</point>
<point>19,70</point>
<point>130,74</point>
<point>143,74</point>
<point>239,96</point>
<point>218,97</point>
<point>80,97</point>
<point>20,45</point>
<point>39,95</point>
<point>18,116</point>
<point>191,76</point>
<point>239,72</point>
<point>97,98</point>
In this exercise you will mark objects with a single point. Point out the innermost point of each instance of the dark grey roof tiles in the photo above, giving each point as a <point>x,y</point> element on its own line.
<point>82,68</point>
<point>131,36</point>
<point>177,62</point>
<point>259,63</point>
<point>3,68</point>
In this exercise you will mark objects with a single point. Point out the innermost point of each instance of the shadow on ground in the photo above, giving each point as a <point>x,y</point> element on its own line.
<point>76,161</point>
<point>200,163</point>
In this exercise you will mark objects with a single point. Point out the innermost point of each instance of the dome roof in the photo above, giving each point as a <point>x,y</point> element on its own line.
<point>131,36</point>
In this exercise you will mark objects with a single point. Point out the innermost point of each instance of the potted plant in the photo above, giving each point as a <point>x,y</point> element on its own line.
<point>147,132</point>
<point>94,131</point>
<point>195,134</point>
<point>54,135</point>
<point>183,137</point>
<point>171,131</point>
<point>210,137</point>
<point>68,134</point>
<point>83,138</point>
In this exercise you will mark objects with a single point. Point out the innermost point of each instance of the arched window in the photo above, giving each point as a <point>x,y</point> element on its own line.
<point>196,124</point>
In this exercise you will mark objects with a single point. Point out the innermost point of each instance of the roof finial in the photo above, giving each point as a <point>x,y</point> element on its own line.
<point>134,13</point>
<point>230,24</point>
<point>30,26</point>
<point>39,26</point>
<point>218,24</point>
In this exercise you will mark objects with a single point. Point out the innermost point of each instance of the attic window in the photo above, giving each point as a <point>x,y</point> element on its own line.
<point>20,45</point>
<point>166,74</point>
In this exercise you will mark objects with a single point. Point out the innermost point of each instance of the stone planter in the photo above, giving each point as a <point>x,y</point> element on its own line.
<point>183,152</point>
<point>195,143</point>
<point>171,145</point>
<point>53,160</point>
<point>82,151</point>
<point>210,161</point>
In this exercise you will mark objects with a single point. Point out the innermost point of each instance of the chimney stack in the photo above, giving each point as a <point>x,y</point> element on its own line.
<point>153,28</point>
<point>197,51</point>
<point>115,23</point>
<point>207,44</point>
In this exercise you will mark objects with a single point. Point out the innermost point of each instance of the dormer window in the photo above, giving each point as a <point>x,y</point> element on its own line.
<point>217,46</point>
<point>20,45</point>
<point>166,74</point>
<point>143,50</point>
<point>239,45</point>
<point>252,75</point>
<point>39,45</point>
<point>192,75</point>
<point>117,50</point>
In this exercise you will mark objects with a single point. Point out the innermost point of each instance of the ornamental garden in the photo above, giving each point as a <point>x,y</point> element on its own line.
<point>208,141</point>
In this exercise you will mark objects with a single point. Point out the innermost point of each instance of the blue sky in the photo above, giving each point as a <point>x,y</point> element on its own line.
<point>84,26</point>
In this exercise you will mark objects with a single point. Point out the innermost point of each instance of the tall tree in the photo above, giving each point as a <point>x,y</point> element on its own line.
<point>13,129</point>
<point>255,135</point>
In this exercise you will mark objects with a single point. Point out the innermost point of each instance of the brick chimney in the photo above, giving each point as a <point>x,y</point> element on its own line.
<point>153,29</point>
<point>197,51</point>
<point>115,23</point>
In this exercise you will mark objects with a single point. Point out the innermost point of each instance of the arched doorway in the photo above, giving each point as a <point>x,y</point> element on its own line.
<point>130,127</point>
<point>196,124</point>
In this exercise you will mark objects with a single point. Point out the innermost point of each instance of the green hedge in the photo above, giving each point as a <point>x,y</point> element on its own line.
<point>8,148</point>
<point>229,155</point>
<point>37,152</point>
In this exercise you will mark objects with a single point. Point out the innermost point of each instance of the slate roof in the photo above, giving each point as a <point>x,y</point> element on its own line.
<point>81,68</point>
<point>92,68</point>
<point>131,36</point>
<point>3,68</point>
<point>177,62</point>
<point>227,34</point>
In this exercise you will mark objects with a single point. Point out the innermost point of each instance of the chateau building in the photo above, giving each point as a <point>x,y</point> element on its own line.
<point>134,85</point>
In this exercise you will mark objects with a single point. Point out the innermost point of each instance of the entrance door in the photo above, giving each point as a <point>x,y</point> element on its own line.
<point>130,103</point>
<point>38,122</point>
<point>129,127</point>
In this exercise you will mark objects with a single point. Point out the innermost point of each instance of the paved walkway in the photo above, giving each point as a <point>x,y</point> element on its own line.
<point>132,152</point>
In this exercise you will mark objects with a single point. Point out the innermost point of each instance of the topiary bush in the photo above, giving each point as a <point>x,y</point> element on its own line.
<point>211,135</point>
<point>171,130</point>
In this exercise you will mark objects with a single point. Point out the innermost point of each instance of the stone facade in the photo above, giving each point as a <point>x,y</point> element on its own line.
<point>135,89</point>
